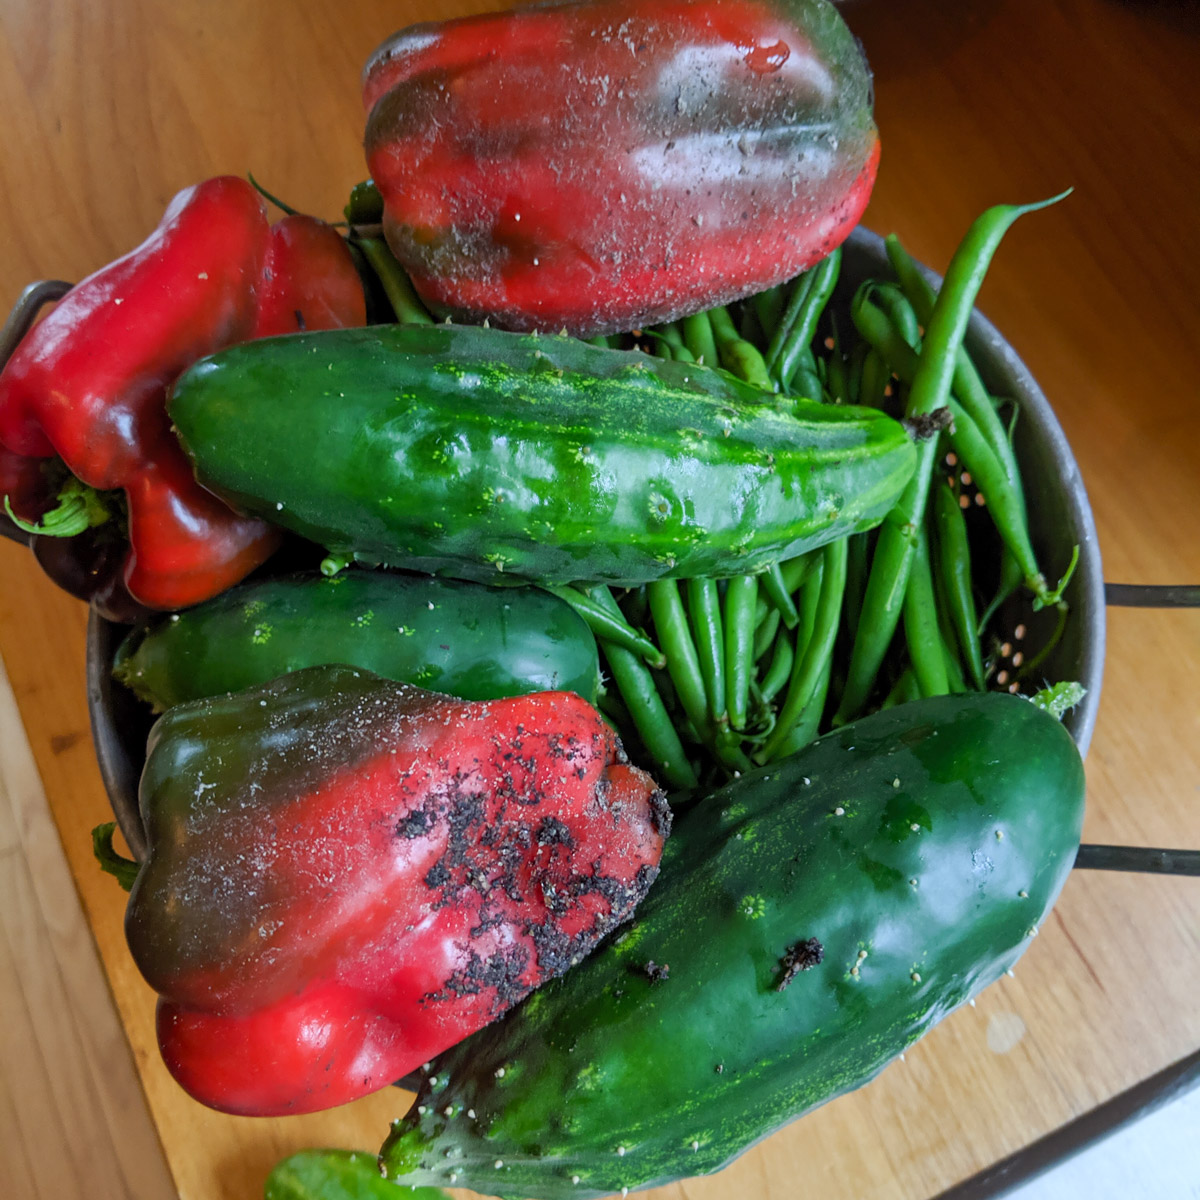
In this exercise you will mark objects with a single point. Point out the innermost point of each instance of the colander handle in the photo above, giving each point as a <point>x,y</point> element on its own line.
<point>22,317</point>
<point>1144,859</point>
<point>1141,859</point>
<point>1147,595</point>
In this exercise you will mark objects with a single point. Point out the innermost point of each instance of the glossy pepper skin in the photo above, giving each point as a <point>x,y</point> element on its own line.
<point>346,875</point>
<point>610,164</point>
<point>89,382</point>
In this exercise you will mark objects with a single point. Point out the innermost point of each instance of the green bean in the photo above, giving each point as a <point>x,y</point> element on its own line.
<point>814,664</point>
<point>955,678</point>
<point>930,390</point>
<point>649,716</point>
<point>698,338</point>
<point>671,335</point>
<point>874,381</point>
<point>797,569</point>
<point>683,663</point>
<point>809,600</point>
<point>953,557</point>
<point>837,369</point>
<point>1011,578</point>
<point>903,690</point>
<point>807,724</point>
<point>805,380</point>
<point>779,594</point>
<point>741,594</point>
<point>1005,507</point>
<point>854,372</point>
<point>768,307</point>
<point>646,710</point>
<point>749,327</point>
<point>615,711</point>
<point>397,286</point>
<point>1006,504</point>
<point>779,669</point>
<point>609,625</point>
<point>901,313</point>
<point>858,563</point>
<point>635,606</point>
<point>726,646</point>
<point>704,607</point>
<point>738,356</point>
<point>920,624</point>
<point>801,289</point>
<point>764,633</point>
<point>967,384</point>
<point>798,333</point>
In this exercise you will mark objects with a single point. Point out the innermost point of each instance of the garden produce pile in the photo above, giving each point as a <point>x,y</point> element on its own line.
<point>555,580</point>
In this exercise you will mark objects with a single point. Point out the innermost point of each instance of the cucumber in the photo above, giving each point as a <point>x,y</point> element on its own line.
<point>335,1175</point>
<point>810,921</point>
<point>464,639</point>
<point>484,454</point>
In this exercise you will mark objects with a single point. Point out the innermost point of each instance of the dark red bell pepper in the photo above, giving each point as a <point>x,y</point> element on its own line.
<point>607,164</point>
<point>347,875</point>
<point>89,383</point>
<point>25,485</point>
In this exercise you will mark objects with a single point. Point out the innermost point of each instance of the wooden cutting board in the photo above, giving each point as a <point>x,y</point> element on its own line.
<point>113,105</point>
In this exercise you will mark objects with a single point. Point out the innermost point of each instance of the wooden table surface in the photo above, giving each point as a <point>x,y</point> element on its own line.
<point>112,105</point>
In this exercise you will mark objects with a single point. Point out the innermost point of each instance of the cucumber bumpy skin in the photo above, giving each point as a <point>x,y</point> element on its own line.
<point>483,454</point>
<point>810,921</point>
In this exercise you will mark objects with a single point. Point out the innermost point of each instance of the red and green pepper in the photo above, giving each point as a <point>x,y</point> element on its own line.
<point>347,875</point>
<point>609,164</point>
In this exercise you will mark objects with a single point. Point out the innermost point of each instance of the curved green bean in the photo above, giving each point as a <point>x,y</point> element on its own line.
<point>930,390</point>
<point>815,664</point>
<point>765,631</point>
<point>1005,503</point>
<point>779,669</point>
<point>646,710</point>
<point>799,324</point>
<point>736,355</point>
<point>779,594</point>
<point>611,626</point>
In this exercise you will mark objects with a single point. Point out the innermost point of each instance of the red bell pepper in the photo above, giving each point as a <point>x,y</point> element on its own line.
<point>607,164</point>
<point>89,382</point>
<point>25,485</point>
<point>346,875</point>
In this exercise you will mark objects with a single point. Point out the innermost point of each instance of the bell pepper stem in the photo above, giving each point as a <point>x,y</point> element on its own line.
<point>124,870</point>
<point>262,191</point>
<point>79,507</point>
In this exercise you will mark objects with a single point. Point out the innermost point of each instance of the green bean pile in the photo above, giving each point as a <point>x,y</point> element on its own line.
<point>713,677</point>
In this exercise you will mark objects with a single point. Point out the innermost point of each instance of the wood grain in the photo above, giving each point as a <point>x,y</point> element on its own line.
<point>73,1117</point>
<point>111,107</point>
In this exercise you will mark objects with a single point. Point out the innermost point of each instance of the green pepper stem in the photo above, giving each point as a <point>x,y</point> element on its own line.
<point>124,870</point>
<point>79,507</point>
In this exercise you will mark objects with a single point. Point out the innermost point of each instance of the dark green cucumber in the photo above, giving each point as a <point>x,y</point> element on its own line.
<point>810,921</point>
<point>464,639</point>
<point>474,452</point>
